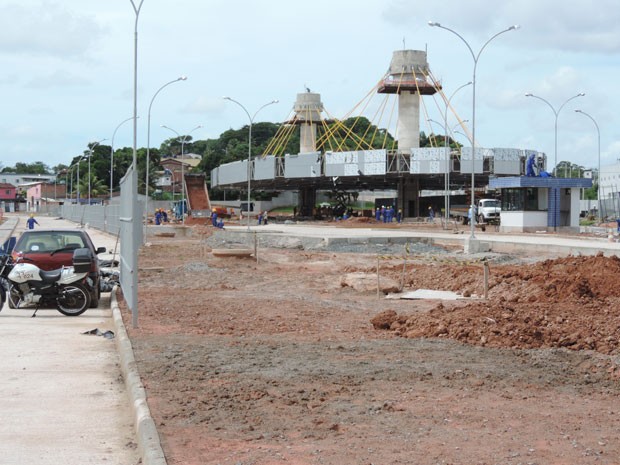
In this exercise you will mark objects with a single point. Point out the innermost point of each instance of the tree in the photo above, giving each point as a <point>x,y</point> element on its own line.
<point>28,168</point>
<point>566,169</point>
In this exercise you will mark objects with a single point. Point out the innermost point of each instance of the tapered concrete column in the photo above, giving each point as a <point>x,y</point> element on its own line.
<point>308,108</point>
<point>307,138</point>
<point>408,121</point>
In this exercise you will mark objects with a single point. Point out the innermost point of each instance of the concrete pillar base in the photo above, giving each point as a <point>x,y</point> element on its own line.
<point>476,246</point>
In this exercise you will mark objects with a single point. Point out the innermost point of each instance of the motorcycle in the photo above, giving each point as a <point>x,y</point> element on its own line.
<point>25,284</point>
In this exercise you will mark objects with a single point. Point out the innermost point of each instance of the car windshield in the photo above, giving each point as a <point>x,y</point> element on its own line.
<point>46,241</point>
<point>491,203</point>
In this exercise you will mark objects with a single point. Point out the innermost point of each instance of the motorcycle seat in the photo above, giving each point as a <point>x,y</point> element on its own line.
<point>50,276</point>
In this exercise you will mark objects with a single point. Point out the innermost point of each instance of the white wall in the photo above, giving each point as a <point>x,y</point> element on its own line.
<point>575,204</point>
<point>519,220</point>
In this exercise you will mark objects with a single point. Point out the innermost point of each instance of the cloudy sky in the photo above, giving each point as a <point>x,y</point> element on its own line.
<point>66,74</point>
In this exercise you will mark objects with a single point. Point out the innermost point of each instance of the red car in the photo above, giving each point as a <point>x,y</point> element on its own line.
<point>50,249</point>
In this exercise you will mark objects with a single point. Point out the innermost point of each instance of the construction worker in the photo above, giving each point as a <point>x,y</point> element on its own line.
<point>30,222</point>
<point>214,217</point>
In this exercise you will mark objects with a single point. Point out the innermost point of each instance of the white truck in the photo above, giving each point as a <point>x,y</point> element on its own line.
<point>488,211</point>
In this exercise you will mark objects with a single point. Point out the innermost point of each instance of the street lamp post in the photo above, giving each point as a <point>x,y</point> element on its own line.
<point>112,155</point>
<point>183,139</point>
<point>447,173</point>
<point>78,180</point>
<point>131,293</point>
<point>473,117</point>
<point>556,113</point>
<point>598,183</point>
<point>148,151</point>
<point>446,145</point>
<point>251,118</point>
<point>90,155</point>
<point>71,176</point>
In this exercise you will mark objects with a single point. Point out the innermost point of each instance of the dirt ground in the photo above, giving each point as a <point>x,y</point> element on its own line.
<point>296,359</point>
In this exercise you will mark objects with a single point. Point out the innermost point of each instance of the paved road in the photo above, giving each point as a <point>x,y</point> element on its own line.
<point>63,398</point>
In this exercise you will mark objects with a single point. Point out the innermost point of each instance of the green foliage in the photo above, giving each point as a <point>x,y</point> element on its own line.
<point>591,193</point>
<point>566,169</point>
<point>37,167</point>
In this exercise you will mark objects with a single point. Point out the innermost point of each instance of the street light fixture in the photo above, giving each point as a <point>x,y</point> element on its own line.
<point>112,155</point>
<point>90,155</point>
<point>598,184</point>
<point>183,139</point>
<point>251,118</point>
<point>556,113</point>
<point>473,118</point>
<point>148,151</point>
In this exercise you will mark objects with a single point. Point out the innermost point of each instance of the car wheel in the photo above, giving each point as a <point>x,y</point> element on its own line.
<point>94,298</point>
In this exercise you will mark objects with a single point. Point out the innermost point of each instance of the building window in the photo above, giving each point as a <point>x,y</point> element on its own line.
<point>524,199</point>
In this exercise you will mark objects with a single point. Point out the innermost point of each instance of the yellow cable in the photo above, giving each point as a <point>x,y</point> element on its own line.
<point>275,142</point>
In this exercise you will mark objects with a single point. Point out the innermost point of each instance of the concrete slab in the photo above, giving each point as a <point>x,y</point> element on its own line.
<point>427,294</point>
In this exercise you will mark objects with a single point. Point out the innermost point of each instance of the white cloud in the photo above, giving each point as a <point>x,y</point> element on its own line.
<point>57,78</point>
<point>202,105</point>
<point>46,29</point>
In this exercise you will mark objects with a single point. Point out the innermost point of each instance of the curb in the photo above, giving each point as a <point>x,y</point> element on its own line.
<point>149,444</point>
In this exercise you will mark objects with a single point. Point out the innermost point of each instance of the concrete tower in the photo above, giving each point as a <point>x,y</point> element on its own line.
<point>308,108</point>
<point>407,78</point>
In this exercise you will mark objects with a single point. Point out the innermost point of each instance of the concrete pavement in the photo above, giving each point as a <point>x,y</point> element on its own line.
<point>63,397</point>
<point>539,243</point>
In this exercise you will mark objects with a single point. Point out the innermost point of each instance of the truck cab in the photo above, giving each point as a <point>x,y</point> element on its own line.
<point>488,211</point>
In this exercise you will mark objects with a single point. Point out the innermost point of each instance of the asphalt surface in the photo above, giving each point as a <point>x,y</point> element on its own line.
<point>64,399</point>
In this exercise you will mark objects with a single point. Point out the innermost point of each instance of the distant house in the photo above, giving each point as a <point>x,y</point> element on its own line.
<point>33,195</point>
<point>7,191</point>
<point>17,179</point>
<point>8,197</point>
<point>173,167</point>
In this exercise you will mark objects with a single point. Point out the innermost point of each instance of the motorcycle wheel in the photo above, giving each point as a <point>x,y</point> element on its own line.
<point>73,299</point>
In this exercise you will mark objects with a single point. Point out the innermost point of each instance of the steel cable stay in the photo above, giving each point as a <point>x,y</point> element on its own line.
<point>381,108</point>
<point>282,137</point>
<point>431,135</point>
<point>450,107</point>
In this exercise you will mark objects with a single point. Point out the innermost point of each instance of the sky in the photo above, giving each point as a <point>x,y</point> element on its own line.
<point>67,69</point>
